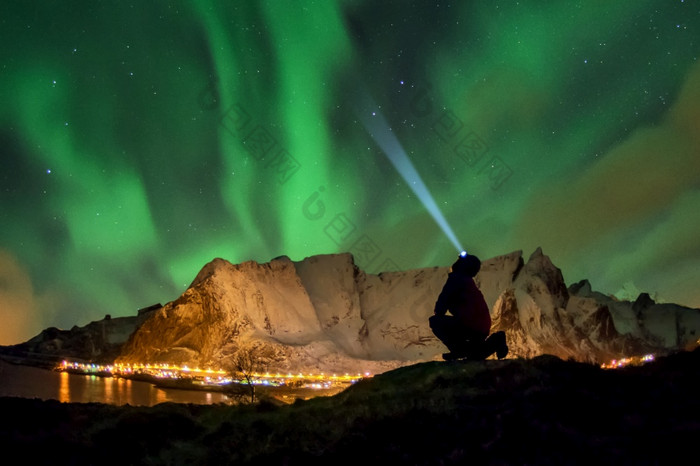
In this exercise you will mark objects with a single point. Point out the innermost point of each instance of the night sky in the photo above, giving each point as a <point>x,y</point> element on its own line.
<point>141,140</point>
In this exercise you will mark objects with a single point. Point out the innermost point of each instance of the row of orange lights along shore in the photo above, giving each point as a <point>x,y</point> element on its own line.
<point>635,361</point>
<point>639,360</point>
<point>126,368</point>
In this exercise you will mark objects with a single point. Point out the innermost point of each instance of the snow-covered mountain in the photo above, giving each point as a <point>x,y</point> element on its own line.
<point>99,341</point>
<point>324,314</point>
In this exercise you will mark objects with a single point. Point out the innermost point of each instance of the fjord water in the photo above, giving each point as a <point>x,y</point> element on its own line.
<point>32,382</point>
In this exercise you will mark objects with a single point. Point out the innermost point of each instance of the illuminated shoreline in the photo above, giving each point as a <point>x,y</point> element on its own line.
<point>631,361</point>
<point>209,379</point>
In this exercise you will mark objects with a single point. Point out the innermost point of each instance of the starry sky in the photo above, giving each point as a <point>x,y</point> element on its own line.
<point>140,140</point>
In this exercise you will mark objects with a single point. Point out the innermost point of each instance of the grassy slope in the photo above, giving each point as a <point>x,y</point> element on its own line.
<point>543,411</point>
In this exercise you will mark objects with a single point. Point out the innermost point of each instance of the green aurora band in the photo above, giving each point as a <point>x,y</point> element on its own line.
<point>141,141</point>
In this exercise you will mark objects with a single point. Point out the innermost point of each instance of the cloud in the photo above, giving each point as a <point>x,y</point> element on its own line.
<point>637,181</point>
<point>668,252</point>
<point>18,304</point>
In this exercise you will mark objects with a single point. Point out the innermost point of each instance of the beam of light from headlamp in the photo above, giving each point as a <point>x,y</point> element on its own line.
<point>377,126</point>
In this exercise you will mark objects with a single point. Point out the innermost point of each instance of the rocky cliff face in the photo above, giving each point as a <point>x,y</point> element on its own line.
<point>324,314</point>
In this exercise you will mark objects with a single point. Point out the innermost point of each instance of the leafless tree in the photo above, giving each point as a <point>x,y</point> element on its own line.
<point>245,365</point>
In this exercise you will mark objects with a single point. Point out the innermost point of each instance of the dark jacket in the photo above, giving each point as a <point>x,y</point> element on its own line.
<point>464,300</point>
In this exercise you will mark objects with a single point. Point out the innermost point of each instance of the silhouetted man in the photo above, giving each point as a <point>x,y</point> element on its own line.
<point>465,331</point>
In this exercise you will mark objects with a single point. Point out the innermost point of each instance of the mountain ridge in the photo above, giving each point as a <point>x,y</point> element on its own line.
<point>324,313</point>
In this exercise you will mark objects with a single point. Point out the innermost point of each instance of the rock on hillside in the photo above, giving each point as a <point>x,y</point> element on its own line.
<point>324,314</point>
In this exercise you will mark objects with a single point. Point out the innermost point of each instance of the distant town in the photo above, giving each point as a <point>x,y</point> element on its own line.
<point>208,378</point>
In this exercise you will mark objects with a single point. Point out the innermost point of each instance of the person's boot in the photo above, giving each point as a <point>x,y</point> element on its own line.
<point>458,350</point>
<point>450,356</point>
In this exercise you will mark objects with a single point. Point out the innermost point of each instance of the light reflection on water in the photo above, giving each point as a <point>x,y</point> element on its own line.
<point>31,382</point>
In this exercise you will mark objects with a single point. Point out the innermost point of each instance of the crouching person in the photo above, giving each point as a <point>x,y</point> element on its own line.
<point>465,330</point>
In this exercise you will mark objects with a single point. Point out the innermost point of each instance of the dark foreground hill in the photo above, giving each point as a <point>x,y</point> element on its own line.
<point>522,411</point>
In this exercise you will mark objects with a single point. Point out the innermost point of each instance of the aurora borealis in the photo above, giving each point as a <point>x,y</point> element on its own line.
<point>140,141</point>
